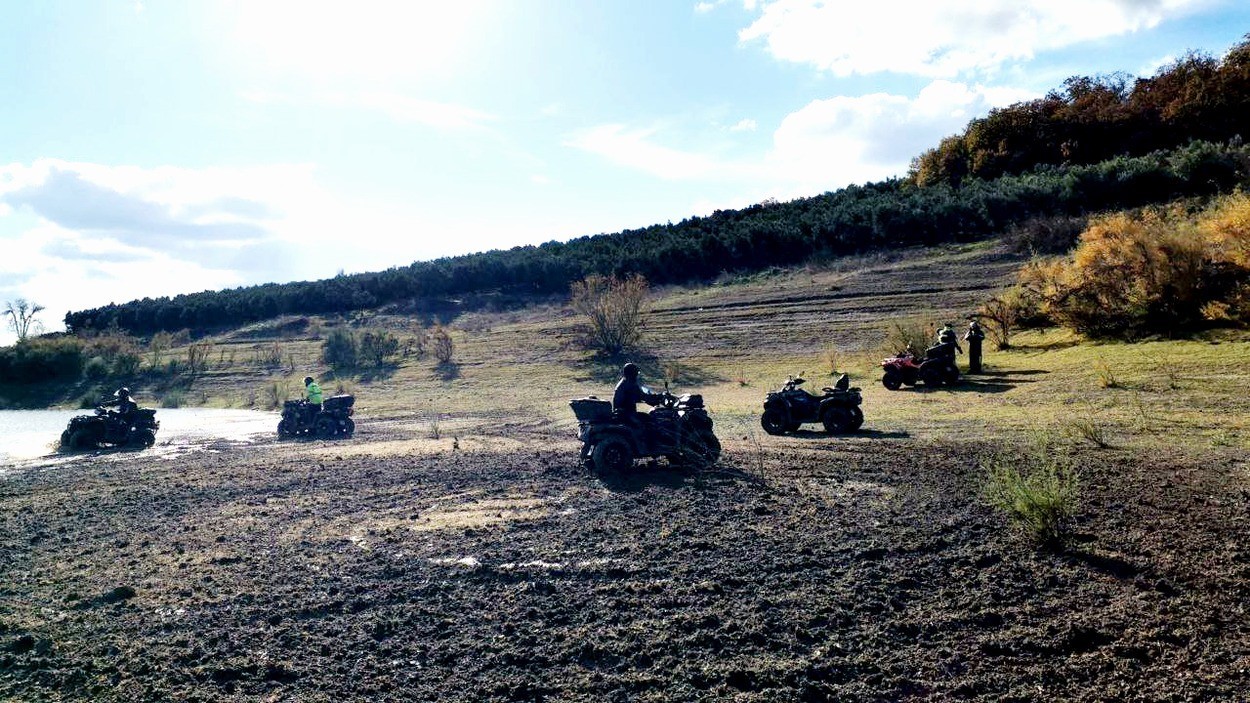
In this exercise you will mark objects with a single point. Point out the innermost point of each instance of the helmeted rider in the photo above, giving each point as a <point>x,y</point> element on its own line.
<point>629,392</point>
<point>126,406</point>
<point>947,336</point>
<point>312,394</point>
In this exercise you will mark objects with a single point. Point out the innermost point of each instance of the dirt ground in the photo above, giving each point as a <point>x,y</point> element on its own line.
<point>395,567</point>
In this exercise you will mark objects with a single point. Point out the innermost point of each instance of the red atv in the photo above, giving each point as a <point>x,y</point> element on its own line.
<point>936,368</point>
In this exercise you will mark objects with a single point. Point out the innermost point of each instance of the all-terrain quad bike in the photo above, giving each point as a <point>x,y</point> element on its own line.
<point>785,410</point>
<point>936,368</point>
<point>112,429</point>
<point>678,428</point>
<point>302,419</point>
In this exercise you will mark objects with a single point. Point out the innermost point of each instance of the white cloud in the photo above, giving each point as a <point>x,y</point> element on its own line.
<point>79,235</point>
<point>824,145</point>
<point>942,39</point>
<point>746,125</point>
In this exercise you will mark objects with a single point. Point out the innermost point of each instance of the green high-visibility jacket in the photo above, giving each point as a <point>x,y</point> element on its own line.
<point>314,393</point>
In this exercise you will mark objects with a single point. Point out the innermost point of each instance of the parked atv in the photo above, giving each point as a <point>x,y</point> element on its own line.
<point>785,410</point>
<point>302,419</point>
<point>678,428</point>
<point>110,428</point>
<point>936,368</point>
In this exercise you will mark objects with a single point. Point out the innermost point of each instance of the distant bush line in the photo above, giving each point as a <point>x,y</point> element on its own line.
<point>889,214</point>
<point>1093,119</point>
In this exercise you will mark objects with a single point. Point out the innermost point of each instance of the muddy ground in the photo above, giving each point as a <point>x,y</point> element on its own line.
<point>392,567</point>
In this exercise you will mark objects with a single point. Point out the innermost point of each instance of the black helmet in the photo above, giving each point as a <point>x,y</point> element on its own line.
<point>307,380</point>
<point>123,392</point>
<point>630,370</point>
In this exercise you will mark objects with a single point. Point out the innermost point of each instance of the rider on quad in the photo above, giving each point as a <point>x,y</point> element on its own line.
<point>126,406</point>
<point>314,397</point>
<point>629,392</point>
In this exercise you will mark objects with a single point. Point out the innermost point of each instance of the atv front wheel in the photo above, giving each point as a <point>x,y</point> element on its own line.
<point>773,421</point>
<point>612,454</point>
<point>65,440</point>
<point>143,438</point>
<point>892,381</point>
<point>285,428</point>
<point>702,449</point>
<point>349,427</point>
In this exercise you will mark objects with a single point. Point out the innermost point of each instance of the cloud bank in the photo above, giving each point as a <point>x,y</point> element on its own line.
<point>942,39</point>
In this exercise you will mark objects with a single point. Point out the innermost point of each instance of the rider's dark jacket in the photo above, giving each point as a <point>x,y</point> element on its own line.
<point>628,394</point>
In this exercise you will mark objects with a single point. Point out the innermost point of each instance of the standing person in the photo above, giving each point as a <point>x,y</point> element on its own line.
<point>973,337</point>
<point>312,393</point>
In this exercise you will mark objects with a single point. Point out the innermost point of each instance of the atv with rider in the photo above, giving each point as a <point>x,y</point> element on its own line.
<point>128,426</point>
<point>678,428</point>
<point>332,418</point>
<point>837,408</point>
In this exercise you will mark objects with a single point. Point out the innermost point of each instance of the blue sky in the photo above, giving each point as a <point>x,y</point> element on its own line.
<point>165,146</point>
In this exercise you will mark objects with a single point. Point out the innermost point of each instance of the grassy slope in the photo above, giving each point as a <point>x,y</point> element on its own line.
<point>734,340</point>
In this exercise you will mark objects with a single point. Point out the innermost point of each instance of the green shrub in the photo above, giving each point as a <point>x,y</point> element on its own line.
<point>127,364</point>
<point>339,350</point>
<point>173,399</point>
<point>376,348</point>
<point>96,369</point>
<point>1038,491</point>
<point>42,359</point>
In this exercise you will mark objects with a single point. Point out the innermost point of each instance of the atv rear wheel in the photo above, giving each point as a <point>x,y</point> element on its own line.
<point>932,378</point>
<point>612,455</point>
<point>81,439</point>
<point>857,418</point>
<point>774,421</point>
<point>836,420</point>
<point>325,428</point>
<point>950,375</point>
<point>892,380</point>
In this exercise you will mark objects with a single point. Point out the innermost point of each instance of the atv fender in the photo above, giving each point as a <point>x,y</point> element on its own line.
<point>625,433</point>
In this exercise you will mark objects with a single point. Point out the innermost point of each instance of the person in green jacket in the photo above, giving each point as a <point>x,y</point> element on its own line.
<point>313,396</point>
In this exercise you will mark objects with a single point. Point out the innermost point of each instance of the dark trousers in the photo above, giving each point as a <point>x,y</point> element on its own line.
<point>974,356</point>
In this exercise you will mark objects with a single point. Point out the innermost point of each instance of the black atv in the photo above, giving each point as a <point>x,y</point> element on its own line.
<point>112,429</point>
<point>678,428</point>
<point>837,408</point>
<point>301,418</point>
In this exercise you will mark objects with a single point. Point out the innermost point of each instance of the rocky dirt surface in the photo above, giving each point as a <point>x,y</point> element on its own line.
<point>394,568</point>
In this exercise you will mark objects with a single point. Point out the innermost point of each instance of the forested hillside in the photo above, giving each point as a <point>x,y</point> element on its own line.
<point>1098,145</point>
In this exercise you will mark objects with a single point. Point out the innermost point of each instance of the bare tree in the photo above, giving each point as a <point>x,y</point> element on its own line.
<point>21,313</point>
<point>615,308</point>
